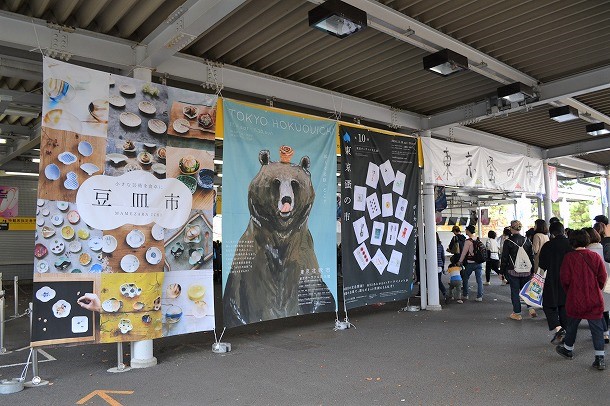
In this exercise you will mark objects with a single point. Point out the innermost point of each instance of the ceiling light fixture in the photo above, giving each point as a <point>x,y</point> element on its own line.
<point>218,162</point>
<point>445,62</point>
<point>515,92</point>
<point>337,18</point>
<point>20,174</point>
<point>563,114</point>
<point>36,160</point>
<point>22,112</point>
<point>3,141</point>
<point>598,129</point>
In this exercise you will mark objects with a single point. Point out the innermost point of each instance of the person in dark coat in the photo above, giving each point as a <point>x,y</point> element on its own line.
<point>456,245</point>
<point>553,296</point>
<point>583,276</point>
<point>507,267</point>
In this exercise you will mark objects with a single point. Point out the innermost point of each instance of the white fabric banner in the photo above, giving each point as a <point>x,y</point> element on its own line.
<point>452,164</point>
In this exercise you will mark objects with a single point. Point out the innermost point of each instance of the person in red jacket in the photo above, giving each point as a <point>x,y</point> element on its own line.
<point>583,276</point>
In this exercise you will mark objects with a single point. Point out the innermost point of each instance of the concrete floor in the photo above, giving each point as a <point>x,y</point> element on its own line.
<point>469,354</point>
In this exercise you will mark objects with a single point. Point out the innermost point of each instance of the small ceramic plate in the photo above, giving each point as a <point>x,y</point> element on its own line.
<point>130,263</point>
<point>57,246</point>
<point>112,305</point>
<point>157,126</point>
<point>71,182</point>
<point>84,259</point>
<point>110,244</point>
<point>132,167</point>
<point>39,221</point>
<point>80,324</point>
<point>158,232</point>
<point>85,148</point>
<point>73,217</point>
<point>75,246</point>
<point>83,233</point>
<point>161,153</point>
<point>127,89</point>
<point>96,268</point>
<point>45,212</point>
<point>42,266</point>
<point>40,251</point>
<point>181,126</point>
<point>159,169</point>
<point>89,168</point>
<point>67,232</point>
<point>153,255</point>
<point>61,309</point>
<point>130,290</point>
<point>47,232</point>
<point>66,158</point>
<point>130,119</point>
<point>57,219</point>
<point>190,111</point>
<point>40,202</point>
<point>63,206</point>
<point>52,172</point>
<point>189,181</point>
<point>145,158</point>
<point>45,294</point>
<point>96,244</point>
<point>116,101</point>
<point>135,239</point>
<point>147,107</point>
<point>116,158</point>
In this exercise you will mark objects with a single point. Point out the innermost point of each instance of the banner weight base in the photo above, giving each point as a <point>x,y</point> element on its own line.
<point>221,348</point>
<point>119,369</point>
<point>35,382</point>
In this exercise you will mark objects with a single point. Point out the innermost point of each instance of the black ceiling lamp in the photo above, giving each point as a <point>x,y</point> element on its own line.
<point>337,18</point>
<point>563,114</point>
<point>445,62</point>
<point>515,92</point>
<point>598,129</point>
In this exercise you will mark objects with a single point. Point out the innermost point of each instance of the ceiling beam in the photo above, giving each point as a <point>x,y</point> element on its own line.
<point>578,164</point>
<point>19,97</point>
<point>554,91</point>
<point>23,148</point>
<point>407,29</point>
<point>183,26</point>
<point>595,144</point>
<point>588,110</point>
<point>15,129</point>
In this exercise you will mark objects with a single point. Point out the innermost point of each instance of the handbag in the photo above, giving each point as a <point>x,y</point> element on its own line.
<point>531,293</point>
<point>606,288</point>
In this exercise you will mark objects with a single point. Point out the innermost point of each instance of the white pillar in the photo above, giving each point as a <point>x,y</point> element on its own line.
<point>142,351</point>
<point>421,246</point>
<point>479,225</point>
<point>608,192</point>
<point>430,239</point>
<point>539,204</point>
<point>548,204</point>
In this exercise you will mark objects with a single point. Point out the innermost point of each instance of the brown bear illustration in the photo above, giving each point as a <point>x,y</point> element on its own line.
<point>274,273</point>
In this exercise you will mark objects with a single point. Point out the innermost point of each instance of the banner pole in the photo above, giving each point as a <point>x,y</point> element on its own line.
<point>36,379</point>
<point>16,291</point>
<point>2,347</point>
<point>120,364</point>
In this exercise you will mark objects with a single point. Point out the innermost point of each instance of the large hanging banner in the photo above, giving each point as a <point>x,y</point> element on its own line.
<point>279,207</point>
<point>124,217</point>
<point>453,164</point>
<point>379,193</point>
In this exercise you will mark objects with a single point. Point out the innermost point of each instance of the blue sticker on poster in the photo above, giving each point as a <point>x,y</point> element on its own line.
<point>279,209</point>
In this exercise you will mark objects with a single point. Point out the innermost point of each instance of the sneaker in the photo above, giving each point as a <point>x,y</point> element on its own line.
<point>606,339</point>
<point>479,299</point>
<point>486,283</point>
<point>533,314</point>
<point>564,352</point>
<point>515,316</point>
<point>465,297</point>
<point>460,301</point>
<point>558,337</point>
<point>599,363</point>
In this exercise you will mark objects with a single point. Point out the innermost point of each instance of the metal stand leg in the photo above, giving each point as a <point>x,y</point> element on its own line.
<point>2,347</point>
<point>120,367</point>
<point>36,379</point>
<point>16,289</point>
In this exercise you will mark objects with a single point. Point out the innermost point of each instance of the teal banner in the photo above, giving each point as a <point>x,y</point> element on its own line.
<point>279,209</point>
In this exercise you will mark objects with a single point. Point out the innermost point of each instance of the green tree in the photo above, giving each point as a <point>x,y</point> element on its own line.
<point>579,214</point>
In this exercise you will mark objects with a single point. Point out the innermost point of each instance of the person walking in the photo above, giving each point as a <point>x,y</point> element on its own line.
<point>467,259</point>
<point>601,230</point>
<point>440,262</point>
<point>583,276</point>
<point>541,237</point>
<point>493,257</point>
<point>456,245</point>
<point>553,295</point>
<point>508,260</point>
<point>505,234</point>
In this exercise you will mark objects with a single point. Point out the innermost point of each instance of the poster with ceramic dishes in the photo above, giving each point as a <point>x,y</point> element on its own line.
<point>138,111</point>
<point>187,303</point>
<point>66,242</point>
<point>74,98</point>
<point>131,299</point>
<point>65,163</point>
<point>189,247</point>
<point>58,316</point>
<point>381,168</point>
<point>129,249</point>
<point>191,115</point>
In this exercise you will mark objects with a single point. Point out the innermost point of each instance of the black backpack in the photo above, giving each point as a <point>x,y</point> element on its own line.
<point>480,252</point>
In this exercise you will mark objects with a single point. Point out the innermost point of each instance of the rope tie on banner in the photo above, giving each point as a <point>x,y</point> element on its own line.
<point>337,113</point>
<point>24,373</point>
